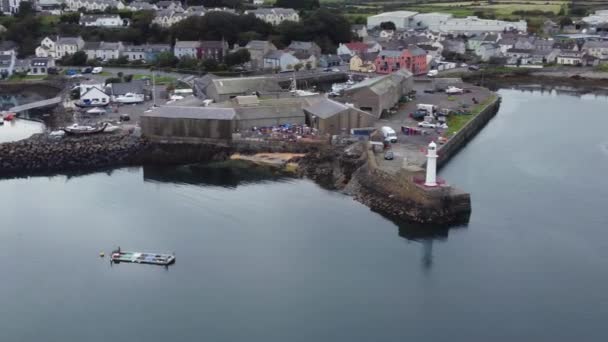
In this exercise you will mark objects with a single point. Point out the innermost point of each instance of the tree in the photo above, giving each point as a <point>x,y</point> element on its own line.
<point>113,80</point>
<point>518,63</point>
<point>210,65</point>
<point>298,4</point>
<point>322,26</point>
<point>308,66</point>
<point>70,18</point>
<point>238,57</point>
<point>166,59</point>
<point>26,9</point>
<point>78,59</point>
<point>565,21</point>
<point>187,63</point>
<point>298,66</point>
<point>388,25</point>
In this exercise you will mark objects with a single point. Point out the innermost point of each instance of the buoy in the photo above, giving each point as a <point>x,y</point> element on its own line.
<point>102,254</point>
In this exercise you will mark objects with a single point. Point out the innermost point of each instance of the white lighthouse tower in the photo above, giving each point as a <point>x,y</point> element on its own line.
<point>431,165</point>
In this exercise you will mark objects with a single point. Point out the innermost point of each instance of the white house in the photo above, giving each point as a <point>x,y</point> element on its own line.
<point>103,51</point>
<point>7,65</point>
<point>186,48</point>
<point>280,60</point>
<point>103,20</point>
<point>10,7</point>
<point>168,18</point>
<point>59,47</point>
<point>570,58</point>
<point>95,96</point>
<point>258,2</point>
<point>93,5</point>
<point>275,16</point>
<point>170,6</point>
<point>40,66</point>
<point>141,6</point>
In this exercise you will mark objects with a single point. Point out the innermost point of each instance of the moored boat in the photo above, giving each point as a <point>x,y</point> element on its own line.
<point>142,258</point>
<point>76,129</point>
<point>130,98</point>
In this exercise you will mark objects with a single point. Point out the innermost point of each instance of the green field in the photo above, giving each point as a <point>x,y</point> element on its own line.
<point>456,122</point>
<point>157,79</point>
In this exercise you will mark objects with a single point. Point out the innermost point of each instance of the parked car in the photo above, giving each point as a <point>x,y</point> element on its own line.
<point>432,73</point>
<point>454,91</point>
<point>425,124</point>
<point>327,69</point>
<point>473,67</point>
<point>125,117</point>
<point>87,70</point>
<point>335,70</point>
<point>429,91</point>
<point>97,70</point>
<point>389,155</point>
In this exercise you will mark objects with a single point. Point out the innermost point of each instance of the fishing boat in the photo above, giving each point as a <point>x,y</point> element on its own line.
<point>142,258</point>
<point>77,129</point>
<point>8,116</point>
<point>130,98</point>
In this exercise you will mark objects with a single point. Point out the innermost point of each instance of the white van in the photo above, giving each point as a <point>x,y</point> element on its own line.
<point>432,73</point>
<point>389,134</point>
<point>97,70</point>
<point>428,107</point>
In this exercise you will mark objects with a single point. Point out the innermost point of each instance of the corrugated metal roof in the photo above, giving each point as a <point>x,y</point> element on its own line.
<point>326,108</point>
<point>201,113</point>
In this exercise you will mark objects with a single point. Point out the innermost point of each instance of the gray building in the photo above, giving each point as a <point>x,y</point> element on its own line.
<point>223,89</point>
<point>188,124</point>
<point>379,94</point>
<point>258,49</point>
<point>331,117</point>
<point>186,48</point>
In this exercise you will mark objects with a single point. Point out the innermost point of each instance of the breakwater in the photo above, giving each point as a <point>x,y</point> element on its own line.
<point>41,154</point>
<point>467,132</point>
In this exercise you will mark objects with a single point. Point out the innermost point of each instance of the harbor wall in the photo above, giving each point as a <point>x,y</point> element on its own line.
<point>466,133</point>
<point>398,196</point>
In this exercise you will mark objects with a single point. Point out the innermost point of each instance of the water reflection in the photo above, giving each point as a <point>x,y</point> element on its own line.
<point>229,174</point>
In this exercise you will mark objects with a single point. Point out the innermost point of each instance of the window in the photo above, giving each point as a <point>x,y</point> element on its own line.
<point>35,70</point>
<point>42,70</point>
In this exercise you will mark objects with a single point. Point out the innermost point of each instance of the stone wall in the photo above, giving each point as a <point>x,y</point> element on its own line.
<point>466,133</point>
<point>399,197</point>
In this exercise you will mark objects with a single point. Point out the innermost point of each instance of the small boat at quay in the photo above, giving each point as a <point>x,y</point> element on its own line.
<point>119,255</point>
<point>77,129</point>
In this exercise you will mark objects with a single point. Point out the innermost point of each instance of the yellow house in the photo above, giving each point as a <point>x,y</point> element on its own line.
<point>359,65</point>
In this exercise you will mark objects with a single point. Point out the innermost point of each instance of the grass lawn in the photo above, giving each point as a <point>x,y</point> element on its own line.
<point>157,79</point>
<point>456,122</point>
<point>25,78</point>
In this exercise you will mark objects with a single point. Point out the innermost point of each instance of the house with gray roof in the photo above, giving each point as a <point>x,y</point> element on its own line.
<point>57,47</point>
<point>257,50</point>
<point>223,89</point>
<point>7,65</point>
<point>103,20</point>
<point>145,52</point>
<point>309,47</point>
<point>275,16</point>
<point>103,51</point>
<point>94,5</point>
<point>141,6</point>
<point>280,61</point>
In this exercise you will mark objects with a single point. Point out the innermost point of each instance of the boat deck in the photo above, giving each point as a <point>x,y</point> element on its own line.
<point>143,258</point>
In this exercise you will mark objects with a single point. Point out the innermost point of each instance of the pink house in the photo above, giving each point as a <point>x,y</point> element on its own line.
<point>412,59</point>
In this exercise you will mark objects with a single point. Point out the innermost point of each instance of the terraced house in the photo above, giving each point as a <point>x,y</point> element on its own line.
<point>94,5</point>
<point>412,59</point>
<point>275,16</point>
<point>59,47</point>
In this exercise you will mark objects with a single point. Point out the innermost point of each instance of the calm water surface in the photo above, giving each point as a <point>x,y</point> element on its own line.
<point>270,259</point>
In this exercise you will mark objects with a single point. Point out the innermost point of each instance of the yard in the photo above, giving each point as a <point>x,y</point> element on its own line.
<point>158,79</point>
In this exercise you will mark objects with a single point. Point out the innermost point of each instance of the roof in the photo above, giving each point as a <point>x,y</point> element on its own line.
<point>141,5</point>
<point>330,58</point>
<point>276,11</point>
<point>390,53</point>
<point>7,45</point>
<point>300,45</point>
<point>91,18</point>
<point>519,51</point>
<point>300,54</point>
<point>258,45</point>
<point>184,112</point>
<point>403,14</point>
<point>187,44</point>
<point>416,51</point>
<point>358,46</point>
<point>39,61</point>
<point>68,40</point>
<point>136,87</point>
<point>240,85</point>
<point>326,108</point>
<point>219,44</point>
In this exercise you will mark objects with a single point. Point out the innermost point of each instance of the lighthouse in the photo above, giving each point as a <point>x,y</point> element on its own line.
<point>431,165</point>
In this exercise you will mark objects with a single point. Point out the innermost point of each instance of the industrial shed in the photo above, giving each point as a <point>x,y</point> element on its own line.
<point>224,89</point>
<point>378,94</point>
<point>189,124</point>
<point>331,117</point>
